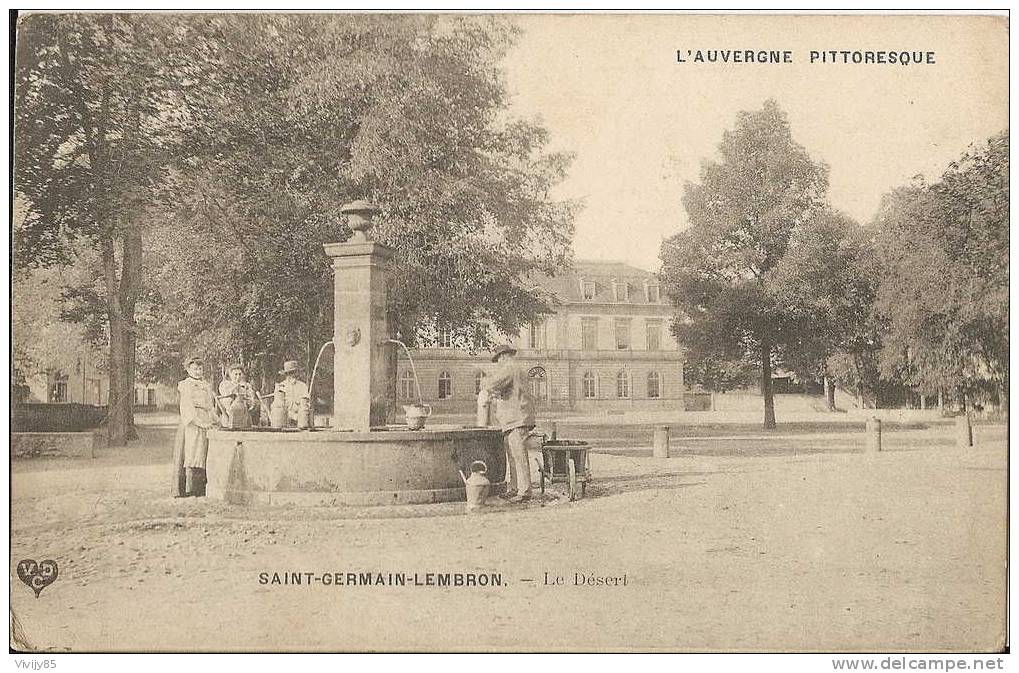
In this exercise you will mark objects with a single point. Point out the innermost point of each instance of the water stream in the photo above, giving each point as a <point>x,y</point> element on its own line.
<point>413,370</point>
<point>311,383</point>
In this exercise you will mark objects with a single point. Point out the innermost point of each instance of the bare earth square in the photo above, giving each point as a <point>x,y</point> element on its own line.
<point>796,541</point>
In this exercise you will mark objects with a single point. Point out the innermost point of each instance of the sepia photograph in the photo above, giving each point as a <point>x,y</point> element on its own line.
<point>451,332</point>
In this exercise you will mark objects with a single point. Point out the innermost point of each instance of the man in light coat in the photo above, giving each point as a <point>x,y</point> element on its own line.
<point>294,389</point>
<point>197,416</point>
<point>514,409</point>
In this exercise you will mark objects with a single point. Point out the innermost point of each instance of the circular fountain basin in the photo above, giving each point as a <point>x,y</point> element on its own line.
<point>331,467</point>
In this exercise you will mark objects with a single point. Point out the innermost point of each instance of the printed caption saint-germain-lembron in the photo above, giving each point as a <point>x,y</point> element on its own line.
<point>899,57</point>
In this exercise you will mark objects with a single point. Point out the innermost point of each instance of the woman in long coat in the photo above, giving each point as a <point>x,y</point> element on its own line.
<point>191,445</point>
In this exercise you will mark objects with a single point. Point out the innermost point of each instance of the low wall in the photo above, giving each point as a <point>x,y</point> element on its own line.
<point>63,417</point>
<point>327,467</point>
<point>64,444</point>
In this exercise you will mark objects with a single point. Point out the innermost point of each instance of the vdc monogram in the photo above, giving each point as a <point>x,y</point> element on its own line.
<point>37,575</point>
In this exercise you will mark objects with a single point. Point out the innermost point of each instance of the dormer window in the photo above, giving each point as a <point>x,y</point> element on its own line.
<point>651,293</point>
<point>621,290</point>
<point>587,289</point>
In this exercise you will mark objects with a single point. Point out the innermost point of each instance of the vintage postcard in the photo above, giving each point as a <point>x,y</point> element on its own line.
<point>509,332</point>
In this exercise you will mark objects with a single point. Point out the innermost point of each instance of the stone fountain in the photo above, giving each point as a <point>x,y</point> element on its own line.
<point>359,460</point>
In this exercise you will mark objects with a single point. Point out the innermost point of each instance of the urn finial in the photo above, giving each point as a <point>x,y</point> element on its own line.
<point>359,218</point>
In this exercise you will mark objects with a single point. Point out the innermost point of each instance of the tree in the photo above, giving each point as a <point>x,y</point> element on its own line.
<point>409,112</point>
<point>827,281</point>
<point>944,283</point>
<point>721,272</point>
<point>99,101</point>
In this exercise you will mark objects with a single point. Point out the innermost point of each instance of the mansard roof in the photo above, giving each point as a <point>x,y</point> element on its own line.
<point>567,285</point>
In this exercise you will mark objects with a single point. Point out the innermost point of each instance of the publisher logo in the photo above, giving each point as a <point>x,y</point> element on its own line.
<point>37,575</point>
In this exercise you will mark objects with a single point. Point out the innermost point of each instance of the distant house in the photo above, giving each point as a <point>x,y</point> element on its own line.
<point>608,346</point>
<point>74,376</point>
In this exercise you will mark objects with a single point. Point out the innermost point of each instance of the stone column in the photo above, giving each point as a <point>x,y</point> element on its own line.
<point>360,330</point>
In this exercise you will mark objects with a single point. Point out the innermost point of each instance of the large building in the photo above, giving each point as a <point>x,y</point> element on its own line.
<point>608,346</point>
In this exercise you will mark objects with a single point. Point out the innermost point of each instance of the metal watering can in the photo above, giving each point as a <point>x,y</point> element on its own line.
<point>476,485</point>
<point>278,411</point>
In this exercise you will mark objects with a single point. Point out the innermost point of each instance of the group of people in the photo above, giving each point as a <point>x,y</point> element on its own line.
<point>201,409</point>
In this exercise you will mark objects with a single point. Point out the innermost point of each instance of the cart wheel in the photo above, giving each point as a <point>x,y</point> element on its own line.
<point>573,480</point>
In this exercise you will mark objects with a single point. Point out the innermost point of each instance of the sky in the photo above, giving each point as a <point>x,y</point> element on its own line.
<point>609,89</point>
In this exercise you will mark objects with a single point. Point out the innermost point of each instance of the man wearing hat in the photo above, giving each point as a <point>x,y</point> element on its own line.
<point>514,408</point>
<point>197,415</point>
<point>295,390</point>
<point>232,388</point>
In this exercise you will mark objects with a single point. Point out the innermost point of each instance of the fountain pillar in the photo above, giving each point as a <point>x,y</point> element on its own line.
<point>360,329</point>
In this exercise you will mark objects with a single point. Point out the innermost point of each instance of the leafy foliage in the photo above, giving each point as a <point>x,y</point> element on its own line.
<point>201,160</point>
<point>943,251</point>
<point>409,112</point>
<point>722,273</point>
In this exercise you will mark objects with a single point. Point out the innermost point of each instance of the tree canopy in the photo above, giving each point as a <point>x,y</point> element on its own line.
<point>722,273</point>
<point>409,112</point>
<point>943,251</point>
<point>202,159</point>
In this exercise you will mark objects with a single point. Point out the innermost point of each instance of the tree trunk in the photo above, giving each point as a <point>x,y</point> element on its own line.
<point>119,403</point>
<point>829,393</point>
<point>766,385</point>
<point>121,295</point>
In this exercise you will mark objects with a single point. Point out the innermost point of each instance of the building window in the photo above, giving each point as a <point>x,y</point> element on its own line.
<point>653,296</point>
<point>654,386</point>
<point>478,378</point>
<point>536,335</point>
<point>445,386</point>
<point>621,290</point>
<point>654,335</point>
<point>539,384</point>
<point>589,334</point>
<point>150,397</point>
<point>60,391</point>
<point>445,338</point>
<point>407,385</point>
<point>622,334</point>
<point>590,386</point>
<point>588,289</point>
<point>623,385</point>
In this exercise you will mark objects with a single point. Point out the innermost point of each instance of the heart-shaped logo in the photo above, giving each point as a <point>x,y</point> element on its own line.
<point>37,575</point>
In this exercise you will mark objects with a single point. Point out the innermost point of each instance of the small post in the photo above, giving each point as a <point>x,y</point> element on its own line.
<point>661,442</point>
<point>873,435</point>
<point>963,432</point>
<point>553,430</point>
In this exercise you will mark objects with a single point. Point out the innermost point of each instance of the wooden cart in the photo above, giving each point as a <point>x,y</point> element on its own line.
<point>565,461</point>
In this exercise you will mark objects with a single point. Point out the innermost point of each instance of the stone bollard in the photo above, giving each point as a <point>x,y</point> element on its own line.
<point>873,435</point>
<point>553,430</point>
<point>661,442</point>
<point>963,432</point>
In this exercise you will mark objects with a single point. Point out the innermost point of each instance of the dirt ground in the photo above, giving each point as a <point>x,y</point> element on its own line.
<point>794,540</point>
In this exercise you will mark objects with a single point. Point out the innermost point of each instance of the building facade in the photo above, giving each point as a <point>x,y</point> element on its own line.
<point>608,347</point>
